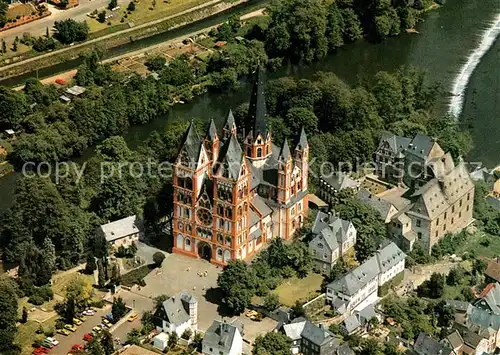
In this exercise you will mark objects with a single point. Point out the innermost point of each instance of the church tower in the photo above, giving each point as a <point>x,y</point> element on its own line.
<point>189,173</point>
<point>302,159</point>
<point>258,144</point>
<point>232,203</point>
<point>285,169</point>
<point>229,128</point>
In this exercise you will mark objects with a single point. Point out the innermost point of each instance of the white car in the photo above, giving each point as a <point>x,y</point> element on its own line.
<point>53,341</point>
<point>88,312</point>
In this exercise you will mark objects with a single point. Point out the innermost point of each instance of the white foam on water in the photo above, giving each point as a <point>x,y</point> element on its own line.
<point>462,79</point>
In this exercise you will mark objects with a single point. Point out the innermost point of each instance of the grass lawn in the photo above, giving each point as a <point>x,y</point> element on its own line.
<point>295,289</point>
<point>19,10</point>
<point>59,283</point>
<point>473,245</point>
<point>26,334</point>
<point>144,12</point>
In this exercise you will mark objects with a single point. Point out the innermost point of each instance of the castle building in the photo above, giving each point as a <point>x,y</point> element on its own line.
<point>230,199</point>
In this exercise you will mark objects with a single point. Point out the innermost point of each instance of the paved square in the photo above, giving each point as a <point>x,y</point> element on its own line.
<point>179,273</point>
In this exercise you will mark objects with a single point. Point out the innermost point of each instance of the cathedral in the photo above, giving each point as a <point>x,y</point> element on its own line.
<point>230,199</point>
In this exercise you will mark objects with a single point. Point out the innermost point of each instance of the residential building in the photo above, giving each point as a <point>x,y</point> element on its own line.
<point>332,238</point>
<point>426,345</point>
<point>331,184</point>
<point>441,193</point>
<point>123,232</point>
<point>359,321</point>
<point>310,339</point>
<point>230,200</point>
<point>358,288</point>
<point>223,338</point>
<point>489,299</point>
<point>177,314</point>
<point>136,350</point>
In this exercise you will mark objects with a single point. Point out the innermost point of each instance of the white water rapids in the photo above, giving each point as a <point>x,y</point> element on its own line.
<point>462,79</point>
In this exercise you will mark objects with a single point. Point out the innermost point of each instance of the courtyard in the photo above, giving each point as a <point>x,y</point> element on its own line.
<point>199,278</point>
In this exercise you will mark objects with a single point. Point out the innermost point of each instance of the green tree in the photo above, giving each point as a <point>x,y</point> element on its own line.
<point>173,339</point>
<point>155,63</point>
<point>24,316</point>
<point>271,302</point>
<point>107,342</point>
<point>94,347</point>
<point>90,265</point>
<point>69,31</point>
<point>297,30</point>
<point>455,276</point>
<point>8,313</point>
<point>115,274</point>
<point>272,344</point>
<point>237,283</point>
<point>112,4</point>
<point>101,16</point>
<point>479,266</point>
<point>131,6</point>
<point>13,107</point>
<point>4,46</point>
<point>338,269</point>
<point>101,273</point>
<point>118,309</point>
<point>158,258</point>
<point>299,117</point>
<point>49,253</point>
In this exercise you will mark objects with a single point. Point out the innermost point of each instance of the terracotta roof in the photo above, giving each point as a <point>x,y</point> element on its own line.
<point>493,270</point>
<point>486,290</point>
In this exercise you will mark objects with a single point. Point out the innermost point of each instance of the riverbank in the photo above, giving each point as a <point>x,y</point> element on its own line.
<point>119,38</point>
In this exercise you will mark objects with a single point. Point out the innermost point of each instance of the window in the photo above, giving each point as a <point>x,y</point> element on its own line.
<point>188,242</point>
<point>460,203</point>
<point>453,209</point>
<point>460,214</point>
<point>419,223</point>
<point>437,234</point>
<point>419,235</point>
<point>468,196</point>
<point>445,215</point>
<point>444,227</point>
<point>452,219</point>
<point>259,152</point>
<point>320,245</point>
<point>467,208</point>
<point>437,222</point>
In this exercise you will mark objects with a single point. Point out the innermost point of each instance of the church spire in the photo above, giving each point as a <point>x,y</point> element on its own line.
<point>211,131</point>
<point>229,128</point>
<point>302,144</point>
<point>285,152</point>
<point>257,111</point>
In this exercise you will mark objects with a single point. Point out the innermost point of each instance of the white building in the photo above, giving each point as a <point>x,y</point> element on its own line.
<point>177,314</point>
<point>333,237</point>
<point>124,231</point>
<point>223,338</point>
<point>358,288</point>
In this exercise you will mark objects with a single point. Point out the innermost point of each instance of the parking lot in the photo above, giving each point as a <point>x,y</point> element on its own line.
<point>67,341</point>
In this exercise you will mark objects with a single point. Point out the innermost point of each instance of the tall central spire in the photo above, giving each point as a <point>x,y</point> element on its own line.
<point>257,111</point>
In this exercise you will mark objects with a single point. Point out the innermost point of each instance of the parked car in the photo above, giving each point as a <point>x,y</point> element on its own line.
<point>97,329</point>
<point>88,312</point>
<point>63,331</point>
<point>82,318</point>
<point>132,317</point>
<point>87,337</point>
<point>106,322</point>
<point>47,344</point>
<point>52,340</point>
<point>76,321</point>
<point>42,350</point>
<point>71,327</point>
<point>77,347</point>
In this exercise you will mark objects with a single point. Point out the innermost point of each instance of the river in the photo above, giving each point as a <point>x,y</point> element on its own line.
<point>445,40</point>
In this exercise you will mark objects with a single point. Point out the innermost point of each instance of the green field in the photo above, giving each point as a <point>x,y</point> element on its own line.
<point>474,245</point>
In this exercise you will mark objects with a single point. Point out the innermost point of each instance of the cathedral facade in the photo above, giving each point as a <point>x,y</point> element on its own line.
<point>231,198</point>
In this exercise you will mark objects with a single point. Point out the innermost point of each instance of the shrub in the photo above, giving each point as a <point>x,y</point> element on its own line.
<point>49,331</point>
<point>158,258</point>
<point>36,300</point>
<point>98,303</point>
<point>59,324</point>
<point>131,6</point>
<point>187,334</point>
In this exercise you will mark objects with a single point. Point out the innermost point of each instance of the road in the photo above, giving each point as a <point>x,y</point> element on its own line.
<point>38,27</point>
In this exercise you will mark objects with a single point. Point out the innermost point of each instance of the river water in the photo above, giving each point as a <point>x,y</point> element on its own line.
<point>445,40</point>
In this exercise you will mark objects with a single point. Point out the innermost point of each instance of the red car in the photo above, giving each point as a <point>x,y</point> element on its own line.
<point>41,350</point>
<point>87,337</point>
<point>77,347</point>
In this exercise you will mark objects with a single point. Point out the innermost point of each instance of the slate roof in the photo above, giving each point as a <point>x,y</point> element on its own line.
<point>483,318</point>
<point>472,339</point>
<point>367,313</point>
<point>344,349</point>
<point>425,345</point>
<point>340,181</point>
<point>396,143</point>
<point>490,298</point>
<point>259,203</point>
<point>221,335</point>
<point>230,123</point>
<point>192,143</point>
<point>380,205</point>
<point>385,258</point>
<point>294,329</point>
<point>302,143</point>
<point>436,196</point>
<point>121,228</point>
<point>231,158</point>
<point>211,131</point>
<point>177,308</point>
<point>255,234</point>
<point>254,218</point>
<point>317,335</point>
<point>460,306</point>
<point>455,339</point>
<point>351,323</point>
<point>336,225</point>
<point>421,145</point>
<point>257,111</point>
<point>285,152</point>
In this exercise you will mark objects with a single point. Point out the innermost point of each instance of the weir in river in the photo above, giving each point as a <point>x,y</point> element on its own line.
<point>462,79</point>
